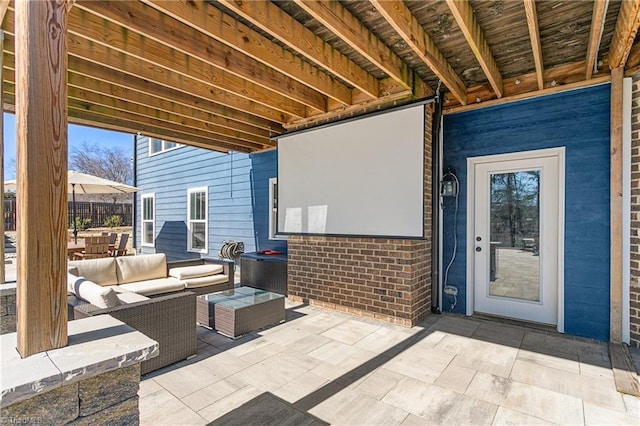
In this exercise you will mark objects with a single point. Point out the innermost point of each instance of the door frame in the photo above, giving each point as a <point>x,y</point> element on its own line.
<point>471,162</point>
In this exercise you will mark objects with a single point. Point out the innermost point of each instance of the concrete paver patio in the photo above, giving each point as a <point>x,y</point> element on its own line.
<point>324,367</point>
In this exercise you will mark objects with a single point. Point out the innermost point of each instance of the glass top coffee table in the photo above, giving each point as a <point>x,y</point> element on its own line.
<point>240,310</point>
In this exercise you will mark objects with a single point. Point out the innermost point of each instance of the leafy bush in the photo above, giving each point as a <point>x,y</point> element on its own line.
<point>82,224</point>
<point>114,221</point>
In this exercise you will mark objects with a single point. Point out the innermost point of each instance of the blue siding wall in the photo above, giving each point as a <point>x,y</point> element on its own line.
<point>579,121</point>
<point>238,196</point>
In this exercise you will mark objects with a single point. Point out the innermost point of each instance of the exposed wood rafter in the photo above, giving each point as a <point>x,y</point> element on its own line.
<point>173,34</point>
<point>135,54</point>
<point>342,23</point>
<point>534,35</point>
<point>273,20</point>
<point>566,76</point>
<point>463,13</point>
<point>407,26</point>
<point>624,33</point>
<point>595,35</point>
<point>212,22</point>
<point>4,6</point>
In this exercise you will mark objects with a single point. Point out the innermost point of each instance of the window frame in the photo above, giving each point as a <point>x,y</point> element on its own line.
<point>152,196</point>
<point>190,248</point>
<point>273,210</point>
<point>163,148</point>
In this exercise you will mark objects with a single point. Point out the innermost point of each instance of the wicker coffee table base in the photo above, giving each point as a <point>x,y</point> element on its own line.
<point>237,321</point>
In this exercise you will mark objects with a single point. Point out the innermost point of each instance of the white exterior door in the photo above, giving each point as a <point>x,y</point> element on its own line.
<point>517,234</point>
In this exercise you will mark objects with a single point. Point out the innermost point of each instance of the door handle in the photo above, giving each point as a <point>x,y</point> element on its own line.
<point>478,248</point>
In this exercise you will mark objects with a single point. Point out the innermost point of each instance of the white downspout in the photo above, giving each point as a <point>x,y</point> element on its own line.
<point>626,205</point>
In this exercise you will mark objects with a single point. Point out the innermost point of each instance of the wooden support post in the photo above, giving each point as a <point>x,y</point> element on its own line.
<point>615,322</point>
<point>41,124</point>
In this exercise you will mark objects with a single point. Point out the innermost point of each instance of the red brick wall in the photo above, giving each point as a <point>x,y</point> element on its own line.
<point>635,215</point>
<point>381,278</point>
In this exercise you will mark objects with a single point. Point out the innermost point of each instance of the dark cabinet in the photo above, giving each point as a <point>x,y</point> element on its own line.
<point>267,272</point>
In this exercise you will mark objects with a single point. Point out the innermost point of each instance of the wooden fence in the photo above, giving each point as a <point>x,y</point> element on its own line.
<point>97,212</point>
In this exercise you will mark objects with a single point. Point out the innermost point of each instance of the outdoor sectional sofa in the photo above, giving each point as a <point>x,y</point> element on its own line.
<point>154,296</point>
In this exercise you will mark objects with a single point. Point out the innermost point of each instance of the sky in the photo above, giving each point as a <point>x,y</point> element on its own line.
<point>77,135</point>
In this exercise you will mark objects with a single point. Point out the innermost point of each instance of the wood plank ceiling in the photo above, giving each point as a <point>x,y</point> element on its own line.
<point>228,74</point>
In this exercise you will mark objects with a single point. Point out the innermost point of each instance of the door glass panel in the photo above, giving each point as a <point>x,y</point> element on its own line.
<point>514,261</point>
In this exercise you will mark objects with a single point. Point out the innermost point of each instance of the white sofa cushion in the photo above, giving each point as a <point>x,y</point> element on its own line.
<point>140,268</point>
<point>154,286</point>
<point>97,295</point>
<point>100,271</point>
<point>186,272</point>
<point>205,281</point>
<point>128,297</point>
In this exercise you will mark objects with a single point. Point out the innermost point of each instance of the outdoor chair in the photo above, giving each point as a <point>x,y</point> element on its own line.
<point>112,238</point>
<point>121,250</point>
<point>95,247</point>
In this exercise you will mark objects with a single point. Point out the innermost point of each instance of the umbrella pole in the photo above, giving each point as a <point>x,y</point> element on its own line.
<point>75,228</point>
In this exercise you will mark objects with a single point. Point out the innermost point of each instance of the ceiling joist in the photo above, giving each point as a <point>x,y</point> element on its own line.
<point>463,13</point>
<point>534,35</point>
<point>273,20</point>
<point>342,23</point>
<point>173,34</point>
<point>219,26</point>
<point>624,33</point>
<point>595,35</point>
<point>407,26</point>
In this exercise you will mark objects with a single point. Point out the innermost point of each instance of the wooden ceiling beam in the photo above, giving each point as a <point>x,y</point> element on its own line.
<point>189,75</point>
<point>78,102</point>
<point>273,20</point>
<point>4,6</point>
<point>243,130</point>
<point>85,49</point>
<point>466,19</point>
<point>534,35</point>
<point>220,26</point>
<point>190,126</point>
<point>634,57</point>
<point>78,113</point>
<point>342,23</point>
<point>173,34</point>
<point>625,33</point>
<point>595,35</point>
<point>132,84</point>
<point>142,55</point>
<point>407,26</point>
<point>556,79</point>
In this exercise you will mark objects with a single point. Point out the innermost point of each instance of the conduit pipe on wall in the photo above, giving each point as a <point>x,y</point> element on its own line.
<point>435,202</point>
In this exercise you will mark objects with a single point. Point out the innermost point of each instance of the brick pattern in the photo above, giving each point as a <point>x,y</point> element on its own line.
<point>380,278</point>
<point>634,312</point>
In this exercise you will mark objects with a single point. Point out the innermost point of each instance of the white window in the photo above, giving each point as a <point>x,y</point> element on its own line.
<point>148,219</point>
<point>197,220</point>
<point>273,210</point>
<point>156,146</point>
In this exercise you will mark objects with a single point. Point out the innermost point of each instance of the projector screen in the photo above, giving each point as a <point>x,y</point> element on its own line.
<point>363,177</point>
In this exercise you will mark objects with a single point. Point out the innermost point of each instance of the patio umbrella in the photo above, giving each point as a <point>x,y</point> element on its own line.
<point>82,183</point>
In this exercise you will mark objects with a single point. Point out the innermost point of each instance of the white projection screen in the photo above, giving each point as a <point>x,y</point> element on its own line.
<point>363,177</point>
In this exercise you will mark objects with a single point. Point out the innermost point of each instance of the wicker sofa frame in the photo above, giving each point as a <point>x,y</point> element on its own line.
<point>169,319</point>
